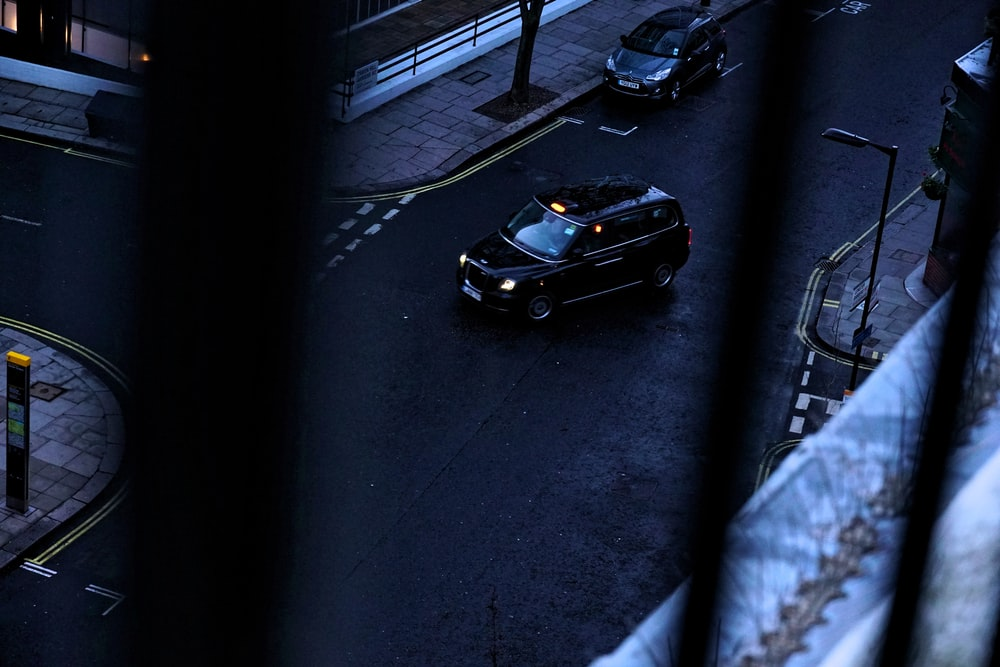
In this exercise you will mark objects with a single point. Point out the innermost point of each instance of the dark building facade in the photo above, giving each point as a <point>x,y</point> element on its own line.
<point>966,115</point>
<point>100,37</point>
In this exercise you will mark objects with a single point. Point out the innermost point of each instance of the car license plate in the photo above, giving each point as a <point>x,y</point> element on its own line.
<point>628,84</point>
<point>473,293</point>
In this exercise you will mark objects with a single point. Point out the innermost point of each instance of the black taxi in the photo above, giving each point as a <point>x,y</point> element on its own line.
<point>576,242</point>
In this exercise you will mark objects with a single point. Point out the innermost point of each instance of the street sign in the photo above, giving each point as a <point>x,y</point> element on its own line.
<point>365,77</point>
<point>859,294</point>
<point>860,336</point>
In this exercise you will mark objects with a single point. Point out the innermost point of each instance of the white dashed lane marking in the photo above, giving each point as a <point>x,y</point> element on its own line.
<point>796,425</point>
<point>821,407</point>
<point>367,210</point>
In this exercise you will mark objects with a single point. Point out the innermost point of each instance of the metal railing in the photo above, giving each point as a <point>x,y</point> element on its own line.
<point>485,30</point>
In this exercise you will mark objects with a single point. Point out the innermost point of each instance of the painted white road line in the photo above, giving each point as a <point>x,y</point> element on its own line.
<point>730,69</point>
<point>391,214</point>
<point>347,224</point>
<point>117,597</point>
<point>366,209</point>
<point>797,424</point>
<point>374,229</point>
<point>20,220</point>
<point>35,568</point>
<point>623,133</point>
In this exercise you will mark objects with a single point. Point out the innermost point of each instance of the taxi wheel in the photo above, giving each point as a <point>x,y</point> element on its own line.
<point>540,307</point>
<point>662,275</point>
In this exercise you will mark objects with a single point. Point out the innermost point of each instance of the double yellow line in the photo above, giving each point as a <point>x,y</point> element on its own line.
<point>114,373</point>
<point>89,523</point>
<point>69,151</point>
<point>524,141</point>
<point>808,302</point>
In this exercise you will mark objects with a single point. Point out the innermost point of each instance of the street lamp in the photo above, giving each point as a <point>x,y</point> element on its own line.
<point>863,331</point>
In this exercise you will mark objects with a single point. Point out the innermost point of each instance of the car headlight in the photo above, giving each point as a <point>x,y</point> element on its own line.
<point>611,62</point>
<point>659,76</point>
<point>507,284</point>
<point>461,260</point>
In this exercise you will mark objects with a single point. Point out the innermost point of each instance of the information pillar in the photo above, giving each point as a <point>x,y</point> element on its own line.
<point>18,430</point>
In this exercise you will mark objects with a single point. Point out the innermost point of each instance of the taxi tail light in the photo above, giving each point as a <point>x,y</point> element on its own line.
<point>690,235</point>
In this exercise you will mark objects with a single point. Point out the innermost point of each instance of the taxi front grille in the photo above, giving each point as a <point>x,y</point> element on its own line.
<point>476,277</point>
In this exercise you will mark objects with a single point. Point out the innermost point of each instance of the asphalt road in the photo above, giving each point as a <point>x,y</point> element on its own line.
<point>453,485</point>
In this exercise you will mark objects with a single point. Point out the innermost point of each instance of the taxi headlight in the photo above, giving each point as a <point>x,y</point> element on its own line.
<point>506,284</point>
<point>461,260</point>
<point>610,64</point>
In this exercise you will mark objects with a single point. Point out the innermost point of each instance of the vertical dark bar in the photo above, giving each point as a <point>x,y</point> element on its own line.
<point>938,439</point>
<point>229,172</point>
<point>762,200</point>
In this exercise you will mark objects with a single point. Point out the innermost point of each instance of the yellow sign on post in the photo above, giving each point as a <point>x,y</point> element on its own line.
<point>18,430</point>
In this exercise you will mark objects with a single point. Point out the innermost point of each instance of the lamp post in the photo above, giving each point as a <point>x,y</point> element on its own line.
<point>842,137</point>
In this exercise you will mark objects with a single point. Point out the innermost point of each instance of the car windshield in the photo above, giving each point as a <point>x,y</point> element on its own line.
<point>656,39</point>
<point>540,231</point>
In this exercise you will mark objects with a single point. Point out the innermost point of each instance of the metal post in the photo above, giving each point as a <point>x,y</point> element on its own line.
<point>844,137</point>
<point>891,151</point>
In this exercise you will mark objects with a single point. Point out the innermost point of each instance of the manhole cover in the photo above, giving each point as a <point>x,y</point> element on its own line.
<point>45,391</point>
<point>906,256</point>
<point>473,78</point>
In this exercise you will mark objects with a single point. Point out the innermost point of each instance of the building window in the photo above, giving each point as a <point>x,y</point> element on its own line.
<point>8,15</point>
<point>109,32</point>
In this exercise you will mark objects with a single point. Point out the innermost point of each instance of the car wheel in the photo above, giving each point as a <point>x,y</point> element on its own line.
<point>675,91</point>
<point>662,275</point>
<point>540,307</point>
<point>720,62</point>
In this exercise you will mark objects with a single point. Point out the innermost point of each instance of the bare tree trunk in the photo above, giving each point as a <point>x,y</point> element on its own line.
<point>531,18</point>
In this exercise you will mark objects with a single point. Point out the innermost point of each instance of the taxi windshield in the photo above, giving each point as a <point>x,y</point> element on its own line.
<point>541,231</point>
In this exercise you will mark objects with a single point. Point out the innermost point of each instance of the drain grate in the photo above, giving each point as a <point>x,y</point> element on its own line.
<point>827,264</point>
<point>45,391</point>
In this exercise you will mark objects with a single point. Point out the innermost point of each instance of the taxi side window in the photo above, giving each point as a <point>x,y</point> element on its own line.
<point>661,217</point>
<point>628,227</point>
<point>595,238</point>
